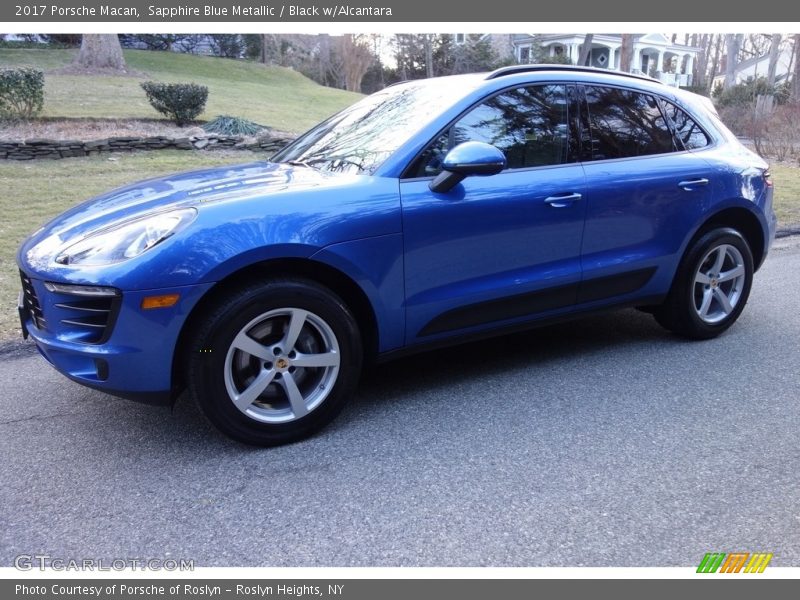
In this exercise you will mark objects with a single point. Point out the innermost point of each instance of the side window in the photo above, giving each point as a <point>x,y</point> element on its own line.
<point>625,123</point>
<point>688,132</point>
<point>529,125</point>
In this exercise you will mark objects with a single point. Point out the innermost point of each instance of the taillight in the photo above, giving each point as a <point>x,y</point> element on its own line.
<point>767,178</point>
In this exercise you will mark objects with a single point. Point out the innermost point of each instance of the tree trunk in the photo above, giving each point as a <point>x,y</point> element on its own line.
<point>626,52</point>
<point>796,78</point>
<point>701,64</point>
<point>586,49</point>
<point>733,43</point>
<point>774,54</point>
<point>101,51</point>
<point>428,43</point>
<point>324,58</point>
<point>715,62</point>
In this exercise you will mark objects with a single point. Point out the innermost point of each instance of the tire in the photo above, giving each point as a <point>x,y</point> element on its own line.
<point>274,363</point>
<point>702,304</point>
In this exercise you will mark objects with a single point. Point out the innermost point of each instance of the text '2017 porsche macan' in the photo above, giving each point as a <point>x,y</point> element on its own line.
<point>429,213</point>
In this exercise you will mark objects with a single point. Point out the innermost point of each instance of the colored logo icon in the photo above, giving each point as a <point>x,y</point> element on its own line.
<point>734,562</point>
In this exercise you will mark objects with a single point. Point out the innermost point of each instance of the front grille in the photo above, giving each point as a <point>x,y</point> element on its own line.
<point>87,320</point>
<point>31,301</point>
<point>75,313</point>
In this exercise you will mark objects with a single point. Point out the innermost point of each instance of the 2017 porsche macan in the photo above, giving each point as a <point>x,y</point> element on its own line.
<point>429,213</point>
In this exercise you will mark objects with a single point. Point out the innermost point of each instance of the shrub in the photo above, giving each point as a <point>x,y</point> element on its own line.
<point>739,119</point>
<point>697,89</point>
<point>68,40</point>
<point>745,93</point>
<point>21,92</point>
<point>252,46</point>
<point>228,125</point>
<point>181,102</point>
<point>779,135</point>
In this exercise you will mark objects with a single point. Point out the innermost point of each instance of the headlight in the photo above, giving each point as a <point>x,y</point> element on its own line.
<point>126,241</point>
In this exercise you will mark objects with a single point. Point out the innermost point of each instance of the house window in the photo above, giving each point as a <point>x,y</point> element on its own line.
<point>525,54</point>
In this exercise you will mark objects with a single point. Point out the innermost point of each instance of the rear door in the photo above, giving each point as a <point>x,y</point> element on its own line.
<point>645,191</point>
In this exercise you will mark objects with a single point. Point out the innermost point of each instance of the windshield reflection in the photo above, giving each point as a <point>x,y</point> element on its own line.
<point>358,139</point>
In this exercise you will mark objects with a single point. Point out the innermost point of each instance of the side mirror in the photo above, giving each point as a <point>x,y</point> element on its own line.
<point>469,158</point>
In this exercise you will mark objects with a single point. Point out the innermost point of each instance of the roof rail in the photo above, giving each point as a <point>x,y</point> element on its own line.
<point>516,69</point>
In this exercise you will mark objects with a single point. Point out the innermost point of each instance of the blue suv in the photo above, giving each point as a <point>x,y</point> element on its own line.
<point>429,213</point>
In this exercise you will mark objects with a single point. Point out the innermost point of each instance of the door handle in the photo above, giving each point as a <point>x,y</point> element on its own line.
<point>562,201</point>
<point>692,183</point>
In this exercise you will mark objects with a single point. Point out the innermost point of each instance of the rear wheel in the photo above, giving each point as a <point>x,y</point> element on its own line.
<point>274,363</point>
<point>711,286</point>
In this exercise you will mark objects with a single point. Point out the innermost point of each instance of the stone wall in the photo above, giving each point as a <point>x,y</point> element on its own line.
<point>54,149</point>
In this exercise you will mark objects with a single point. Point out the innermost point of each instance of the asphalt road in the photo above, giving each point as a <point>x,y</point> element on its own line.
<point>603,442</point>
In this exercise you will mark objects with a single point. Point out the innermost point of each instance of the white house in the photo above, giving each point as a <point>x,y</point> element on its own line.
<point>757,66</point>
<point>653,53</point>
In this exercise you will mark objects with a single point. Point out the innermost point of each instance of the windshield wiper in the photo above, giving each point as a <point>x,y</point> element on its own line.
<point>298,163</point>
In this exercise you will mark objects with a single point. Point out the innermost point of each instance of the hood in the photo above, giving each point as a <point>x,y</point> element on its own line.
<point>181,190</point>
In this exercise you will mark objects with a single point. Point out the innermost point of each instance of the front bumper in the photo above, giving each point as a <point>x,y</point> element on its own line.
<point>131,357</point>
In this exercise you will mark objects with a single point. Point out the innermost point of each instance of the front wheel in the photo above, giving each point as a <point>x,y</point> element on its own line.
<point>274,363</point>
<point>711,286</point>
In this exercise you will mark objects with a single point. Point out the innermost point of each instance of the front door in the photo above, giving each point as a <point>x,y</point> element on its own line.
<point>498,249</point>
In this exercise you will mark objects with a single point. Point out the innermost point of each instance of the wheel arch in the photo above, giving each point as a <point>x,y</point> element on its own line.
<point>742,220</point>
<point>321,273</point>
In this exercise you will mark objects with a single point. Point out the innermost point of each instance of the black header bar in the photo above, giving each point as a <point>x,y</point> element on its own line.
<point>393,11</point>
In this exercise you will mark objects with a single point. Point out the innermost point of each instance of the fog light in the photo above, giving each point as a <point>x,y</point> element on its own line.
<point>164,301</point>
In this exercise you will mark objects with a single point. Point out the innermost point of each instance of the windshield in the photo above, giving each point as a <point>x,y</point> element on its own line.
<point>361,137</point>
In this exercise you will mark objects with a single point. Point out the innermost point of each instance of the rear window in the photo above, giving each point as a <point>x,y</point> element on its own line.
<point>690,134</point>
<point>624,123</point>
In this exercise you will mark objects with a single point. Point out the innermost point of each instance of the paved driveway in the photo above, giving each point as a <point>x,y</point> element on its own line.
<point>600,442</point>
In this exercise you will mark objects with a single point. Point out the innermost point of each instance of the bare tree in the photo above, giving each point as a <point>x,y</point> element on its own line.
<point>356,60</point>
<point>626,52</point>
<point>586,49</point>
<point>715,63</point>
<point>100,51</point>
<point>774,54</point>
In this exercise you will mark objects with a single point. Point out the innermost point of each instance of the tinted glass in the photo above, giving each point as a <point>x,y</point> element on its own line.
<point>686,129</point>
<point>529,125</point>
<point>625,123</point>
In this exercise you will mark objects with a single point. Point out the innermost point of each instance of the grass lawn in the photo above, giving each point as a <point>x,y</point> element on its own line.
<point>272,96</point>
<point>787,194</point>
<point>34,191</point>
